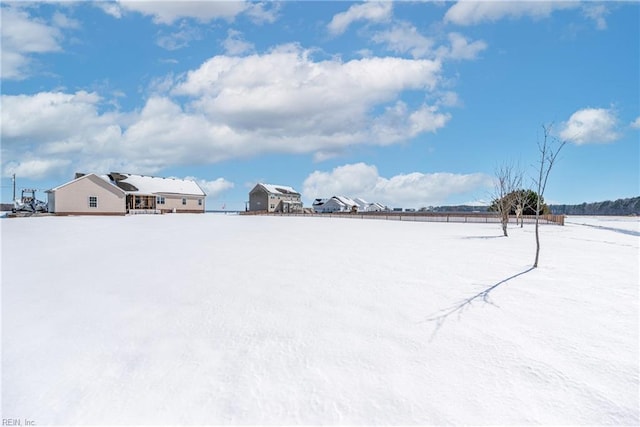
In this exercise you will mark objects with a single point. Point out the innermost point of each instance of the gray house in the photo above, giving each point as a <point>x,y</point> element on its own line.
<point>274,198</point>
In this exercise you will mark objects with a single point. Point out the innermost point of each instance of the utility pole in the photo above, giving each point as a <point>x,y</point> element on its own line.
<point>13,179</point>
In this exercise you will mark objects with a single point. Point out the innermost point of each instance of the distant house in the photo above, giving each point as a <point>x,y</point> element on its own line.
<point>274,198</point>
<point>377,207</point>
<point>336,204</point>
<point>318,205</point>
<point>346,204</point>
<point>361,204</point>
<point>120,193</point>
<point>364,206</point>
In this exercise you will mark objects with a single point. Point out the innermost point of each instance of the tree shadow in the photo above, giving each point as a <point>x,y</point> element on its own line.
<point>459,307</point>
<point>615,230</point>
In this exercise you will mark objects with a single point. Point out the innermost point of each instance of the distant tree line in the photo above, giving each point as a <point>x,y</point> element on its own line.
<point>456,209</point>
<point>629,206</point>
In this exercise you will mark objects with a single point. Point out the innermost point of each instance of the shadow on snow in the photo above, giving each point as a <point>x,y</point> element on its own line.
<point>615,230</point>
<point>462,305</point>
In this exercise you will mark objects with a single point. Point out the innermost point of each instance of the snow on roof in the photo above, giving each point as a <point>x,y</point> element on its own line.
<point>279,189</point>
<point>345,200</point>
<point>157,185</point>
<point>361,202</point>
<point>378,205</point>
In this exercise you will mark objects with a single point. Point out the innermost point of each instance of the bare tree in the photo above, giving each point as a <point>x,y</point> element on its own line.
<point>520,204</point>
<point>549,149</point>
<point>508,179</point>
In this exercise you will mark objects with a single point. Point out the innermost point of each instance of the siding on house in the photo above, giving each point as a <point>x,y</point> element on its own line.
<point>174,203</point>
<point>87,195</point>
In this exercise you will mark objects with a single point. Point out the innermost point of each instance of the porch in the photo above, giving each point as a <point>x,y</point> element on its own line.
<point>138,204</point>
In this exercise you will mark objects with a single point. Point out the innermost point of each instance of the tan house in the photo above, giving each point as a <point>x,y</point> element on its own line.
<point>87,195</point>
<point>120,194</point>
<point>274,198</point>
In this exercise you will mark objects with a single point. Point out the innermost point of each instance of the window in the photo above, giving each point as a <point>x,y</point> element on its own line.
<point>93,201</point>
<point>184,201</point>
<point>199,202</point>
<point>160,200</point>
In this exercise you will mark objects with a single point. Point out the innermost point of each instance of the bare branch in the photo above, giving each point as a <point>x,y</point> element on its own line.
<point>548,156</point>
<point>508,179</point>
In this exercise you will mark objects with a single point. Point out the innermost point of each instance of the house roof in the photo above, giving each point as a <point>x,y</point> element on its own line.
<point>278,189</point>
<point>378,205</point>
<point>143,184</point>
<point>100,180</point>
<point>345,200</point>
<point>361,202</point>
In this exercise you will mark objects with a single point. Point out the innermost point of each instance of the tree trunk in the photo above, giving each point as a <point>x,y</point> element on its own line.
<point>535,263</point>
<point>504,221</point>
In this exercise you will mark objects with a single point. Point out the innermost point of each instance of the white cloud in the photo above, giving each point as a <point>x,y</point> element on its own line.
<point>263,12</point>
<point>405,38</point>
<point>167,12</point>
<point>596,12</point>
<point>35,168</point>
<point>213,188</point>
<point>636,123</point>
<point>475,12</point>
<point>591,125</point>
<point>109,8</point>
<point>230,107</point>
<point>22,37</point>
<point>449,99</point>
<point>352,179</point>
<point>408,190</point>
<point>461,48</point>
<point>235,45</point>
<point>49,116</point>
<point>62,128</point>
<point>399,123</point>
<point>370,11</point>
<point>60,20</point>
<point>179,39</point>
<point>301,105</point>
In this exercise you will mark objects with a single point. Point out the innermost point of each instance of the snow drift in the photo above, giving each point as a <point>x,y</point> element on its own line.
<point>213,319</point>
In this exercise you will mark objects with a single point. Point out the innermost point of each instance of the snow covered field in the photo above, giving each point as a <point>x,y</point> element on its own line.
<point>214,319</point>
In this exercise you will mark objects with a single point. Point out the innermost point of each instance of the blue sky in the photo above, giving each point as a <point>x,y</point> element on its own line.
<point>405,103</point>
